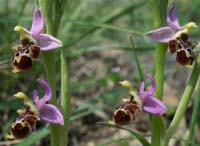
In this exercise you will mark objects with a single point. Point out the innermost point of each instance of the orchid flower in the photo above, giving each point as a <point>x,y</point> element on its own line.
<point>173,30</point>
<point>176,36</point>
<point>145,98</point>
<point>32,42</point>
<point>44,41</point>
<point>47,112</point>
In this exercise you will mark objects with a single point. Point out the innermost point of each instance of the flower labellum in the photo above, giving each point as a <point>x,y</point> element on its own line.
<point>23,125</point>
<point>23,57</point>
<point>21,60</point>
<point>126,112</point>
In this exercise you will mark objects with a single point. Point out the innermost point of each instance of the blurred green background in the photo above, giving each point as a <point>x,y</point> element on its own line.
<point>96,36</point>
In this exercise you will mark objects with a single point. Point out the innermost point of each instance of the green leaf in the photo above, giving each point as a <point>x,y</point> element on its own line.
<point>159,123</point>
<point>141,138</point>
<point>117,141</point>
<point>138,64</point>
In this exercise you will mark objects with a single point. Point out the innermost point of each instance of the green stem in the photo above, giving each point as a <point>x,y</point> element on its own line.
<point>140,72</point>
<point>155,12</point>
<point>159,69</point>
<point>47,6</point>
<point>194,115</point>
<point>156,133</point>
<point>59,7</point>
<point>49,64</point>
<point>183,104</point>
<point>65,99</point>
<point>56,17</point>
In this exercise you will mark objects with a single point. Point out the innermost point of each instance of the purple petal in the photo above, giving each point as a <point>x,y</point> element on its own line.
<point>39,103</point>
<point>172,17</point>
<point>154,106</point>
<point>35,96</point>
<point>48,92</point>
<point>163,34</point>
<point>48,42</point>
<point>50,113</point>
<point>151,90</point>
<point>38,22</point>
<point>142,93</point>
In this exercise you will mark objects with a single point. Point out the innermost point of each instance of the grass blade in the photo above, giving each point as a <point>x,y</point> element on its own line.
<point>141,138</point>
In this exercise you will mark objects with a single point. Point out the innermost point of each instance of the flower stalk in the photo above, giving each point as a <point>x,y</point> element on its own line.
<point>183,104</point>
<point>159,68</point>
<point>59,135</point>
<point>50,70</point>
<point>49,65</point>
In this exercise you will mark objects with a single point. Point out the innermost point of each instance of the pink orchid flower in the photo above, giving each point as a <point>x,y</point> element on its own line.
<point>44,41</point>
<point>40,106</point>
<point>173,30</point>
<point>144,98</point>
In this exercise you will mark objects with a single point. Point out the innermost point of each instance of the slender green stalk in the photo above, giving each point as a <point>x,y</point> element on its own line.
<point>56,16</point>
<point>47,6</point>
<point>50,69</point>
<point>194,115</point>
<point>65,99</point>
<point>49,64</point>
<point>140,72</point>
<point>159,69</point>
<point>156,133</point>
<point>59,6</point>
<point>183,102</point>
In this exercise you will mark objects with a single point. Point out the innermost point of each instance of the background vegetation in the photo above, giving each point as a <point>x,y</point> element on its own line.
<point>96,35</point>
